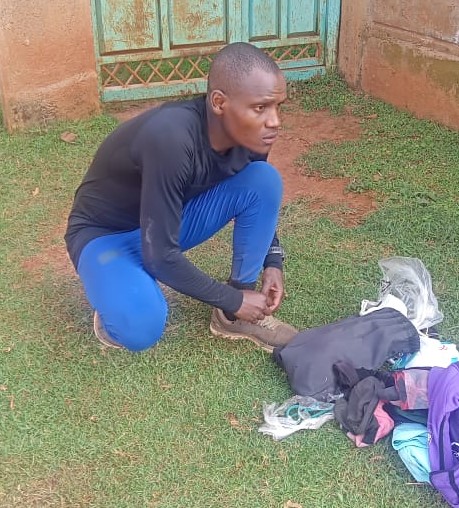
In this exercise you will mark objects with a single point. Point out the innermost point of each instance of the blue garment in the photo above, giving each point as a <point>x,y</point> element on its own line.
<point>142,175</point>
<point>129,300</point>
<point>410,441</point>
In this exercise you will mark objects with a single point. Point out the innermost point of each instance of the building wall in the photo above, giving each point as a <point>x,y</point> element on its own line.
<point>47,63</point>
<point>405,52</point>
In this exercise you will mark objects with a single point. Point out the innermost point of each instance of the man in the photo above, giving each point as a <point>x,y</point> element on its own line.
<point>168,180</point>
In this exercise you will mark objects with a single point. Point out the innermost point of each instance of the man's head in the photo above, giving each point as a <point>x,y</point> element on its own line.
<point>245,90</point>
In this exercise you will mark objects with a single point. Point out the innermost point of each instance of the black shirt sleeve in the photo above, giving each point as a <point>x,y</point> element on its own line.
<point>166,156</point>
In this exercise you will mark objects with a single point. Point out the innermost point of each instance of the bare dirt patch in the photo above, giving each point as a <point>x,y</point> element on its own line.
<point>67,487</point>
<point>299,132</point>
<point>52,254</point>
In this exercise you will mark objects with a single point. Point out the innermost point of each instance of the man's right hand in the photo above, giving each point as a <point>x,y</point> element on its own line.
<point>254,306</point>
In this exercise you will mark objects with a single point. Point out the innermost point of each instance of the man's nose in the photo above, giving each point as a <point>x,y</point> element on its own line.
<point>273,121</point>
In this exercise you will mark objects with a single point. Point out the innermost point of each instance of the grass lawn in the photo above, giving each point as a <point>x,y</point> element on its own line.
<point>178,426</point>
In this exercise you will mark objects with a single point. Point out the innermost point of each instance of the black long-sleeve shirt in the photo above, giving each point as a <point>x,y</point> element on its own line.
<point>141,176</point>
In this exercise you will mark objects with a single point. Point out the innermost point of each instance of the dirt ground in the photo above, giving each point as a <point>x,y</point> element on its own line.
<point>299,132</point>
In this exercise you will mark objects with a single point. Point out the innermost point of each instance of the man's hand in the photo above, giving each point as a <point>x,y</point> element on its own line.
<point>273,288</point>
<point>254,306</point>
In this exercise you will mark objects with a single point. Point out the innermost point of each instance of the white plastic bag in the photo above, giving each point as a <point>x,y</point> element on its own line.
<point>297,413</point>
<point>408,279</point>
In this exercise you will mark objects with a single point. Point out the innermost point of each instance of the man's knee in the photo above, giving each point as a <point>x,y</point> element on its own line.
<point>266,180</point>
<point>139,329</point>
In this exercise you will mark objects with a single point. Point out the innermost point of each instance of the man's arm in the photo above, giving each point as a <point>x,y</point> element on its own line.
<point>166,158</point>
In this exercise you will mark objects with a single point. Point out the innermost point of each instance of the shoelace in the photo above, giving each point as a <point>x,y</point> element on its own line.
<point>269,322</point>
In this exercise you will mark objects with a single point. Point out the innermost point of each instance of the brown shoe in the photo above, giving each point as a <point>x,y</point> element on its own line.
<point>102,334</point>
<point>267,333</point>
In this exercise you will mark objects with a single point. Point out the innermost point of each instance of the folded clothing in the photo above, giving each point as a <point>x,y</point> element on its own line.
<point>410,440</point>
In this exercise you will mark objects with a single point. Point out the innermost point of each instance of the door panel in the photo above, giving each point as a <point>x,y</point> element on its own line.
<point>263,19</point>
<point>197,22</point>
<point>126,25</point>
<point>163,48</point>
<point>302,17</point>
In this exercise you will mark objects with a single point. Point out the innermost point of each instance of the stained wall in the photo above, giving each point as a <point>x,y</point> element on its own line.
<point>47,62</point>
<point>405,52</point>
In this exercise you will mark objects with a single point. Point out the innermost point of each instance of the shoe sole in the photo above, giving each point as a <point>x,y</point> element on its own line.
<point>100,338</point>
<point>235,336</point>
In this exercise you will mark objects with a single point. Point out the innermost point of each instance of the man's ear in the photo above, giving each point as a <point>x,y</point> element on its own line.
<point>218,101</point>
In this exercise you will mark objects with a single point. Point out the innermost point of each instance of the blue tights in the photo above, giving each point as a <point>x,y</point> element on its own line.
<point>129,300</point>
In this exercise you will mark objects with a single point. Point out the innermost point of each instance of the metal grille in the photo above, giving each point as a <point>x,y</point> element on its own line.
<point>186,69</point>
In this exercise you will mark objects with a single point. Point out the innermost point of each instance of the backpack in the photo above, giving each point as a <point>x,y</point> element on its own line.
<point>443,427</point>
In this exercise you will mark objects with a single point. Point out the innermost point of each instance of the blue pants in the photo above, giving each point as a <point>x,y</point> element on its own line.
<point>129,300</point>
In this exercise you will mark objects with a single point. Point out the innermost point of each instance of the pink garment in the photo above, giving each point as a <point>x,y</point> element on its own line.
<point>385,425</point>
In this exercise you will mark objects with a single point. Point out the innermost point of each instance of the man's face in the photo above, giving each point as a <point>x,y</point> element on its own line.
<point>250,116</point>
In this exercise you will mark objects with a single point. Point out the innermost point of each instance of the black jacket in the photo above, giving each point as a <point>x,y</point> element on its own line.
<point>364,341</point>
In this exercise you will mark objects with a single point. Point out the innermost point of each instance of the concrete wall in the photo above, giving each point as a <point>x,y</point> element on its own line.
<point>405,52</point>
<point>47,63</point>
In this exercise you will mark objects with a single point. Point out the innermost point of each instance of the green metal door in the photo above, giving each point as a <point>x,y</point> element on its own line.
<point>163,48</point>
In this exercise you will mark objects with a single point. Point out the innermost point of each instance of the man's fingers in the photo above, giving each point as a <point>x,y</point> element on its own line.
<point>265,289</point>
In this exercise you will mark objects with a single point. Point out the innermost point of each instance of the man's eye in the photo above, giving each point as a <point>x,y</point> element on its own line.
<point>260,108</point>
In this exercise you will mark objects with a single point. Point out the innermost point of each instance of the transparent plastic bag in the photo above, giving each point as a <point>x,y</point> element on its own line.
<point>297,413</point>
<point>408,279</point>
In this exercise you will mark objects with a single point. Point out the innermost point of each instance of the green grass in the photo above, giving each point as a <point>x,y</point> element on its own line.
<point>177,426</point>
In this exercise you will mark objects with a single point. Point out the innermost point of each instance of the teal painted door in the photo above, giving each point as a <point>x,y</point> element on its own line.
<point>163,48</point>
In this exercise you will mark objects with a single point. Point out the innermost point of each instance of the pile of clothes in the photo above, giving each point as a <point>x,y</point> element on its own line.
<point>387,370</point>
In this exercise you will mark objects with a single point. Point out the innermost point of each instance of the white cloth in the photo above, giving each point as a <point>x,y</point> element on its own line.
<point>433,353</point>
<point>389,300</point>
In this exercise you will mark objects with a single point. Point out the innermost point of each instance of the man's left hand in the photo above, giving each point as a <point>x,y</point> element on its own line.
<point>273,287</point>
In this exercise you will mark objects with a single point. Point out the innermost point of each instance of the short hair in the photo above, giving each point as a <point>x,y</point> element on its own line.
<point>234,62</point>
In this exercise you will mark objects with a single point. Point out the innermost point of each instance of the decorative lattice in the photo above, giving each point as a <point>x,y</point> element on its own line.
<point>145,72</point>
<point>299,52</point>
<point>185,69</point>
